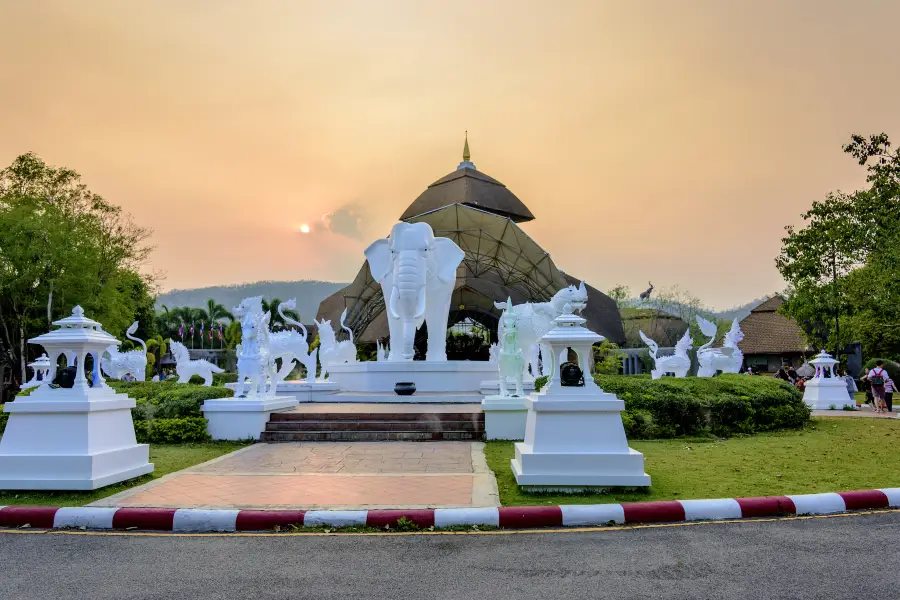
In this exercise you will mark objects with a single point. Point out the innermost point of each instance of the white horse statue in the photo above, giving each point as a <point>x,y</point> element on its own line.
<point>728,358</point>
<point>187,368</point>
<point>678,364</point>
<point>289,345</point>
<point>510,358</point>
<point>255,362</point>
<point>332,352</point>
<point>121,363</point>
<point>535,320</point>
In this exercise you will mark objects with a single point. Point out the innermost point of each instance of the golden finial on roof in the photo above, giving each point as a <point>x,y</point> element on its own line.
<point>466,155</point>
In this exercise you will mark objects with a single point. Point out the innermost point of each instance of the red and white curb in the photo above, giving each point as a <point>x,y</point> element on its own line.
<point>514,517</point>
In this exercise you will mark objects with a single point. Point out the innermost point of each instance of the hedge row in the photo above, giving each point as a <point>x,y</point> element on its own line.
<point>723,406</point>
<point>168,431</point>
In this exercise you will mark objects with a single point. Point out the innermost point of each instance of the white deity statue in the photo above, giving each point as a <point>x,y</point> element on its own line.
<point>678,364</point>
<point>535,319</point>
<point>728,358</point>
<point>186,368</point>
<point>417,273</point>
<point>255,362</point>
<point>120,364</point>
<point>332,352</point>
<point>382,351</point>
<point>492,353</point>
<point>510,359</point>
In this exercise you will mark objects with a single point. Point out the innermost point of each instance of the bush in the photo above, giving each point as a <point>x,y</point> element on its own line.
<point>168,431</point>
<point>724,405</point>
<point>890,366</point>
<point>4,417</point>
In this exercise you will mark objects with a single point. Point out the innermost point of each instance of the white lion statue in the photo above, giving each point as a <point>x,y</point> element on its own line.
<point>187,368</point>
<point>678,364</point>
<point>289,345</point>
<point>332,352</point>
<point>121,363</point>
<point>728,358</point>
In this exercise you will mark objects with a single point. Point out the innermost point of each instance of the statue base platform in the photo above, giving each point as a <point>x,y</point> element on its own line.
<point>70,439</point>
<point>575,440</point>
<point>392,398</point>
<point>450,376</point>
<point>303,391</point>
<point>492,387</point>
<point>242,418</point>
<point>824,393</point>
<point>504,417</point>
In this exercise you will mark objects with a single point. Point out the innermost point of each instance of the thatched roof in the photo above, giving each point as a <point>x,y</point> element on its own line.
<point>472,188</point>
<point>501,261</point>
<point>768,332</point>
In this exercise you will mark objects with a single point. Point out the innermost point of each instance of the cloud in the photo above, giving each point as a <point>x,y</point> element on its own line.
<point>346,220</point>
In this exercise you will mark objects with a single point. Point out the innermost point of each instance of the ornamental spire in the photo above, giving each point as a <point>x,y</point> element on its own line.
<point>466,161</point>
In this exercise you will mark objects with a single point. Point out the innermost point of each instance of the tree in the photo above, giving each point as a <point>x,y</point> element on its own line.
<point>622,295</point>
<point>840,265</point>
<point>62,245</point>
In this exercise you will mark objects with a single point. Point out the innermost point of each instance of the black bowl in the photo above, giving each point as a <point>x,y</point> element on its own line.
<point>405,388</point>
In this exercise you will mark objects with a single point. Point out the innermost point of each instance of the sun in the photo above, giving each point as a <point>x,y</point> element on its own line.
<point>304,228</point>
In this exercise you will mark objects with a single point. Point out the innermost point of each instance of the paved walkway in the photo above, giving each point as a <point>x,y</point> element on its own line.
<point>854,413</point>
<point>344,476</point>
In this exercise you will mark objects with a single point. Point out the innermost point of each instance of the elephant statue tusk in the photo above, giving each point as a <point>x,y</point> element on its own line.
<point>392,304</point>
<point>420,305</point>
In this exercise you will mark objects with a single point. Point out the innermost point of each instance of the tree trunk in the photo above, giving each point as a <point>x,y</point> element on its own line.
<point>22,360</point>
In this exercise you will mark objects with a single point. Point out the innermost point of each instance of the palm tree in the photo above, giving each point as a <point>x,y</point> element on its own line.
<point>277,322</point>
<point>216,311</point>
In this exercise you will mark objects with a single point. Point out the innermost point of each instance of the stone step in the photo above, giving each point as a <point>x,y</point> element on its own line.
<point>380,425</point>
<point>376,416</point>
<point>369,436</point>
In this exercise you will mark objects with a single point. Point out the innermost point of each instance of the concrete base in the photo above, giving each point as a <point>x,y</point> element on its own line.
<point>575,440</point>
<point>392,398</point>
<point>302,391</point>
<point>70,439</point>
<point>492,387</point>
<point>242,418</point>
<point>429,376</point>
<point>822,394</point>
<point>504,417</point>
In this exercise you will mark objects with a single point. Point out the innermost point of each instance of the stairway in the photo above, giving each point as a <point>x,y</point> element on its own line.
<point>374,426</point>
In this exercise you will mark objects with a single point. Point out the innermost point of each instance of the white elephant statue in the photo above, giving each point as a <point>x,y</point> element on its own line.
<point>417,273</point>
<point>728,358</point>
<point>678,364</point>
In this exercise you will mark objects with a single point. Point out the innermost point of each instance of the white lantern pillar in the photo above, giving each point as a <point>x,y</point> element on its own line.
<point>78,438</point>
<point>826,390</point>
<point>574,437</point>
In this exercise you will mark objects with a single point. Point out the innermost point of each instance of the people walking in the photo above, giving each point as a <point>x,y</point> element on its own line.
<point>877,378</point>
<point>889,393</point>
<point>851,386</point>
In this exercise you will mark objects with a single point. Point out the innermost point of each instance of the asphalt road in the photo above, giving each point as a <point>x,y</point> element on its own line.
<point>850,557</point>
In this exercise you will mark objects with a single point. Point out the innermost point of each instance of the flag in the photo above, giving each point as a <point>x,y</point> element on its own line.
<point>181,330</point>
<point>201,329</point>
<point>192,329</point>
<point>210,331</point>
<point>220,332</point>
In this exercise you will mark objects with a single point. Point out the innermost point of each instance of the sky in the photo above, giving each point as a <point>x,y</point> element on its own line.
<point>667,141</point>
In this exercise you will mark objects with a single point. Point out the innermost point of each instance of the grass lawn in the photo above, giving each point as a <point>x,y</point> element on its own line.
<point>167,458</point>
<point>832,454</point>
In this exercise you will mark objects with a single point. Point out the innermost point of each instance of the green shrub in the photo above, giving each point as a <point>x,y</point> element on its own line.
<point>724,405</point>
<point>4,417</point>
<point>219,379</point>
<point>638,424</point>
<point>168,431</point>
<point>540,382</point>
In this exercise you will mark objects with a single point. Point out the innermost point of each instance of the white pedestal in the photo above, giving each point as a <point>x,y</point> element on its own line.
<point>504,417</point>
<point>302,391</point>
<point>242,418</point>
<point>822,393</point>
<point>70,439</point>
<point>492,387</point>
<point>429,376</point>
<point>575,440</point>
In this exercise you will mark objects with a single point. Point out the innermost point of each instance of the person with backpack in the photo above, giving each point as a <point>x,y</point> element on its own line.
<point>877,378</point>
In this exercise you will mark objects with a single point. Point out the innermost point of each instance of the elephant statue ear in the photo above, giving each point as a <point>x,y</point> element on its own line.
<point>447,256</point>
<point>379,257</point>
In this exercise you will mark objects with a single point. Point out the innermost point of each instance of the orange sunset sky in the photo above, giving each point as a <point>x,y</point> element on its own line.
<point>668,140</point>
